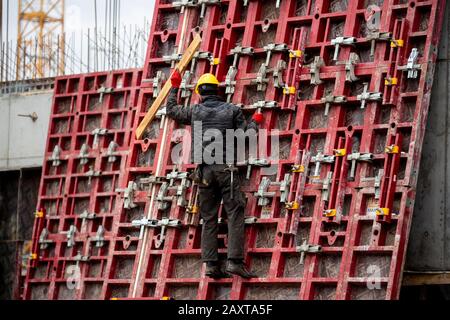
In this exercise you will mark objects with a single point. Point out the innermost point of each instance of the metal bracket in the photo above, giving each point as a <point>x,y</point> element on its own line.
<point>368,96</point>
<point>260,105</point>
<point>264,195</point>
<point>361,157</point>
<point>88,216</point>
<point>329,100</point>
<point>278,74</point>
<point>255,163</point>
<point>43,239</point>
<point>319,160</point>
<point>111,153</point>
<point>204,3</point>
<point>341,41</point>
<point>306,248</point>
<point>376,36</point>
<point>163,224</point>
<point>377,185</point>
<point>99,237</point>
<point>274,47</point>
<point>186,85</point>
<point>353,60</point>
<point>128,195</point>
<point>56,157</point>
<point>412,67</point>
<point>158,83</point>
<point>80,258</point>
<point>103,91</point>
<point>172,59</point>
<point>84,154</point>
<point>230,83</point>
<point>70,235</point>
<point>97,133</point>
<point>183,4</point>
<point>326,187</point>
<point>92,174</point>
<point>314,70</point>
<point>261,78</point>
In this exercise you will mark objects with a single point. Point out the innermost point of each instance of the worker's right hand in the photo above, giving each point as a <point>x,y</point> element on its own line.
<point>176,79</point>
<point>258,118</point>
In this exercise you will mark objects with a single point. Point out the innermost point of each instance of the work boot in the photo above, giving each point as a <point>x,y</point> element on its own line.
<point>238,268</point>
<point>213,271</point>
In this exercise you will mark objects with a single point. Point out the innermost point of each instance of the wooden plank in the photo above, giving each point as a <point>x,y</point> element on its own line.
<point>181,66</point>
<point>420,279</point>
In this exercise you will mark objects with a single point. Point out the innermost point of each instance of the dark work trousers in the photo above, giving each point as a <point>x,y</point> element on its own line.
<point>210,196</point>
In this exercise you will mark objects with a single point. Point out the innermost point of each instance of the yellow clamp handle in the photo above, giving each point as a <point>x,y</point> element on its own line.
<point>293,206</point>
<point>392,149</point>
<point>340,152</point>
<point>391,81</point>
<point>295,54</point>
<point>289,91</point>
<point>330,213</point>
<point>298,168</point>
<point>397,43</point>
<point>383,211</point>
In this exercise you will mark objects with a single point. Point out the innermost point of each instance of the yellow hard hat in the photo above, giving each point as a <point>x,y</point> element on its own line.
<point>207,78</point>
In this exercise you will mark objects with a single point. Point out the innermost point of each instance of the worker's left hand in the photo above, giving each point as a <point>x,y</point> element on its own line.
<point>176,79</point>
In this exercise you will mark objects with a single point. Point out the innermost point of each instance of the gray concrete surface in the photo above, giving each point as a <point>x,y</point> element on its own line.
<point>429,246</point>
<point>22,141</point>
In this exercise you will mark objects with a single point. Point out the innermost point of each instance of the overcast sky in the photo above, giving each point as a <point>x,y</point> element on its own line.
<point>80,13</point>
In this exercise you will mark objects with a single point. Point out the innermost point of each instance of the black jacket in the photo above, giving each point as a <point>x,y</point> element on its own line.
<point>213,113</point>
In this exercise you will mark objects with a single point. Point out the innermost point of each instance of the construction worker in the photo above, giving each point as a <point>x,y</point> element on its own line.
<point>218,181</point>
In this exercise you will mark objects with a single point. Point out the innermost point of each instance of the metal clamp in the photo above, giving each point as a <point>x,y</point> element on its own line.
<point>264,195</point>
<point>128,195</point>
<point>103,91</point>
<point>326,187</point>
<point>376,36</point>
<point>306,248</point>
<point>56,157</point>
<point>158,82</point>
<point>378,182</point>
<point>97,133</point>
<point>70,235</point>
<point>99,238</point>
<point>278,75</point>
<point>314,70</point>
<point>84,154</point>
<point>80,258</point>
<point>350,75</point>
<point>412,67</point>
<point>111,153</point>
<point>230,83</point>
<point>361,157</point>
<point>341,41</point>
<point>255,163</point>
<point>163,224</point>
<point>172,59</point>
<point>204,3</point>
<point>44,242</point>
<point>367,96</point>
<point>92,174</point>
<point>330,99</point>
<point>319,160</point>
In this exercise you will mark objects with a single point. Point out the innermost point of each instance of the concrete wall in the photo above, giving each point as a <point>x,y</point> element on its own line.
<point>22,141</point>
<point>429,244</point>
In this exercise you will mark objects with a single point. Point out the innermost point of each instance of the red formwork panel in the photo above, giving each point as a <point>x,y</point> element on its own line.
<point>88,141</point>
<point>345,86</point>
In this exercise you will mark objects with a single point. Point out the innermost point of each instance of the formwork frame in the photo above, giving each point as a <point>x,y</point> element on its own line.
<point>350,125</point>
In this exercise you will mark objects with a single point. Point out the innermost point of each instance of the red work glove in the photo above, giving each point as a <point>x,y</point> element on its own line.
<point>176,79</point>
<point>258,118</point>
